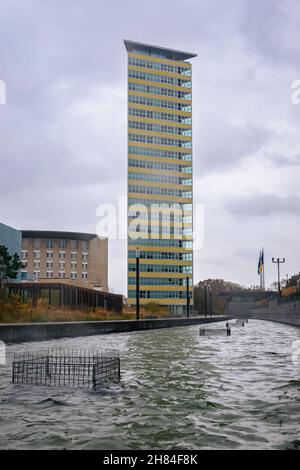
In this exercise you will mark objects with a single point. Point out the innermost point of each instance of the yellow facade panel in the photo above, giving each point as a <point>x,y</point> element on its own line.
<point>159,97</point>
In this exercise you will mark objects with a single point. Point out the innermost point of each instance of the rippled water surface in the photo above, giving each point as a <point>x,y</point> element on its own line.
<point>178,391</point>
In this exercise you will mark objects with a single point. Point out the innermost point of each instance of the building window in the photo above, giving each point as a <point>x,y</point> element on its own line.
<point>49,254</point>
<point>37,242</point>
<point>49,243</point>
<point>73,265</point>
<point>62,264</point>
<point>62,254</point>
<point>25,264</point>
<point>73,254</point>
<point>74,244</point>
<point>73,275</point>
<point>49,274</point>
<point>63,244</point>
<point>84,275</point>
<point>37,274</point>
<point>85,266</point>
<point>37,253</point>
<point>62,274</point>
<point>24,254</point>
<point>37,264</point>
<point>85,245</point>
<point>84,256</point>
<point>50,264</point>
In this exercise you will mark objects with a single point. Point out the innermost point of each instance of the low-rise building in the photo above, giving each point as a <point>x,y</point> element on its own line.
<point>75,258</point>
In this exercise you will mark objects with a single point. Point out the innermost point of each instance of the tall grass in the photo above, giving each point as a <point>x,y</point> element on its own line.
<point>14,310</point>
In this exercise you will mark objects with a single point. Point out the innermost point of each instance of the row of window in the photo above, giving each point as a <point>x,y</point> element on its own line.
<point>151,77</point>
<point>146,126</point>
<point>162,255</point>
<point>152,202</point>
<point>50,254</point>
<point>145,230</point>
<point>132,188</point>
<point>147,101</point>
<point>159,178</point>
<point>160,116</point>
<point>159,166</point>
<point>152,294</point>
<point>61,243</point>
<point>149,139</point>
<point>149,64</point>
<point>161,268</point>
<point>159,153</point>
<point>61,275</point>
<point>161,216</point>
<point>155,90</point>
<point>160,281</point>
<point>50,264</point>
<point>163,243</point>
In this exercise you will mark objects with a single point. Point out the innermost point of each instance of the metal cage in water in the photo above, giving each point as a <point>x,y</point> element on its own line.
<point>74,368</point>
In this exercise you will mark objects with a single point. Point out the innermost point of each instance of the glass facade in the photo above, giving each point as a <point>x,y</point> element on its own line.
<point>160,174</point>
<point>12,240</point>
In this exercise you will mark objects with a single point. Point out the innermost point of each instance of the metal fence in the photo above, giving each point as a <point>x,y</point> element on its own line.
<point>67,368</point>
<point>64,295</point>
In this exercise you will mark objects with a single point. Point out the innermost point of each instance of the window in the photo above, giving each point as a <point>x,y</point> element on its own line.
<point>85,245</point>
<point>37,274</point>
<point>37,264</point>
<point>73,275</point>
<point>62,264</point>
<point>49,274</point>
<point>37,254</point>
<point>73,265</point>
<point>62,274</point>
<point>24,254</point>
<point>25,264</point>
<point>84,256</point>
<point>73,254</point>
<point>49,254</point>
<point>49,243</point>
<point>62,244</point>
<point>74,244</point>
<point>37,242</point>
<point>50,264</point>
<point>62,255</point>
<point>85,266</point>
<point>84,275</point>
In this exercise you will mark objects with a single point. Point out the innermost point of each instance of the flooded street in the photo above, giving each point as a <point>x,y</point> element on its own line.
<point>178,391</point>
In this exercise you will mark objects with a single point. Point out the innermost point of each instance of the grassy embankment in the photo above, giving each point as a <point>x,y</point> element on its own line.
<point>13,310</point>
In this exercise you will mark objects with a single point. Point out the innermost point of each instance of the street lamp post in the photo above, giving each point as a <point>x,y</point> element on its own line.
<point>188,296</point>
<point>278,261</point>
<point>137,288</point>
<point>205,300</point>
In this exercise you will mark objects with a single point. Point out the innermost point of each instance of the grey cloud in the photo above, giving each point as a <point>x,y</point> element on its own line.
<point>225,144</point>
<point>264,205</point>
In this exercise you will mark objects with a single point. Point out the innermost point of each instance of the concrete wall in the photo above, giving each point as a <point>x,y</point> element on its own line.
<point>19,333</point>
<point>239,309</point>
<point>284,313</point>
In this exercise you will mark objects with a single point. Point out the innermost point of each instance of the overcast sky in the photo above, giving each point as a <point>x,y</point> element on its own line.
<point>63,131</point>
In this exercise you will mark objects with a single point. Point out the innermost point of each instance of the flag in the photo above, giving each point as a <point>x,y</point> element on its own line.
<point>260,262</point>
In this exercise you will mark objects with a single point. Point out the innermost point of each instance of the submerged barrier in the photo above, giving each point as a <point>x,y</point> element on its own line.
<point>67,368</point>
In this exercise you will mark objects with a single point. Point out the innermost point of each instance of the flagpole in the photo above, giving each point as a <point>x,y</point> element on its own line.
<point>263,270</point>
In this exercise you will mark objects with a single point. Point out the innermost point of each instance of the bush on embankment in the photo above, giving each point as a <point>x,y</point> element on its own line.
<point>13,309</point>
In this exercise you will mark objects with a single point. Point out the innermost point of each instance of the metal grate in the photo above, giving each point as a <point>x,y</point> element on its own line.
<point>67,368</point>
<point>215,332</point>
